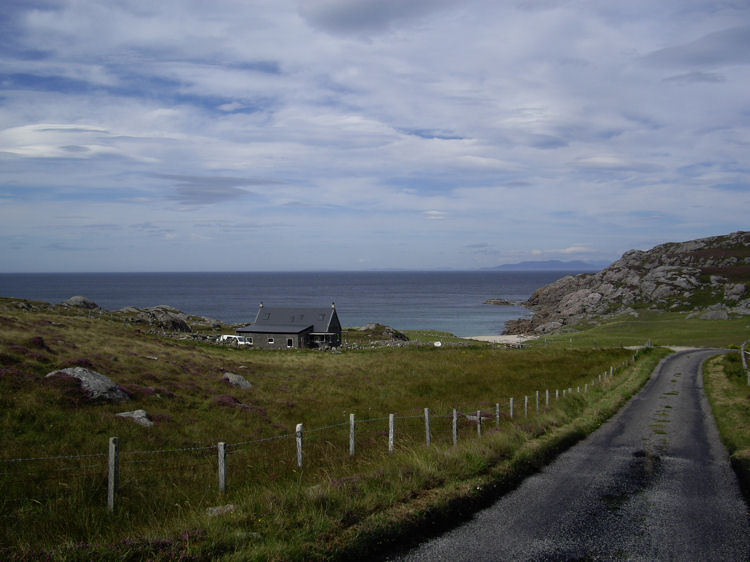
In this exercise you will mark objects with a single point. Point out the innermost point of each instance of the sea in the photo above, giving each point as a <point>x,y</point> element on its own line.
<point>449,301</point>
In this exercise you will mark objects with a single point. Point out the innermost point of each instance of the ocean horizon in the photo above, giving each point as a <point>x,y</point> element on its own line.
<point>444,300</point>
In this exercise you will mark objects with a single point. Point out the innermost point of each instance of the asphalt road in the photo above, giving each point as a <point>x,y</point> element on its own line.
<point>653,483</point>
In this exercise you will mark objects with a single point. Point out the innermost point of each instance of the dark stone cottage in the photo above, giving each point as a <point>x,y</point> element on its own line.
<point>290,328</point>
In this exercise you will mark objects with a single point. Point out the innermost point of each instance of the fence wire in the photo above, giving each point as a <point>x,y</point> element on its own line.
<point>471,414</point>
<point>324,445</point>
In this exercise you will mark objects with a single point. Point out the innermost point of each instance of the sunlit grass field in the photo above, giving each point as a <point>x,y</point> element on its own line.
<point>660,328</point>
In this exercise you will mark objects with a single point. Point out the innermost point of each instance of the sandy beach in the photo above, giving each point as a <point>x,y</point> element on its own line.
<point>508,339</point>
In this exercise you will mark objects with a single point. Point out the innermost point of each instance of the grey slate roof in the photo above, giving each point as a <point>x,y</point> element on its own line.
<point>273,329</point>
<point>278,320</point>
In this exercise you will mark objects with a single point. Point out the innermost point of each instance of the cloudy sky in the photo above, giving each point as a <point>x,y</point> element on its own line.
<point>184,135</point>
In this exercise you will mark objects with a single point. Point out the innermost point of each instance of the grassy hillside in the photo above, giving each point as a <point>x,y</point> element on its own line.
<point>335,505</point>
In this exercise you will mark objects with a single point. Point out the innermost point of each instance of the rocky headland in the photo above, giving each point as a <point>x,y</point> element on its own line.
<point>708,278</point>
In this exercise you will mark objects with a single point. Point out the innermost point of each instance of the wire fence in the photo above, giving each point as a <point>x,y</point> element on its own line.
<point>168,478</point>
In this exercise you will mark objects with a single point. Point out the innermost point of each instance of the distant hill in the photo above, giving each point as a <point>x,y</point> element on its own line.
<point>551,265</point>
<point>708,277</point>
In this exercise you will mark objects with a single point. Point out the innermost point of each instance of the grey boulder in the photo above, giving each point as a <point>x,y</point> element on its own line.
<point>81,302</point>
<point>96,385</point>
<point>138,416</point>
<point>236,380</point>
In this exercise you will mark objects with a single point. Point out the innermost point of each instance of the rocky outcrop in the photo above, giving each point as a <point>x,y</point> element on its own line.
<point>689,276</point>
<point>498,302</point>
<point>81,302</point>
<point>98,387</point>
<point>383,332</point>
<point>162,316</point>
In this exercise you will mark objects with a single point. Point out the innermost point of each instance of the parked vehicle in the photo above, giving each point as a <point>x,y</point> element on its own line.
<point>241,340</point>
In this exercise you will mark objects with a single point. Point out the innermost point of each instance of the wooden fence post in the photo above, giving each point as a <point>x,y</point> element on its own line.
<point>537,401</point>
<point>428,435</point>
<point>526,406</point>
<point>298,433</point>
<point>113,480</point>
<point>391,431</point>
<point>546,398</point>
<point>455,427</point>
<point>497,414</point>
<point>557,394</point>
<point>511,408</point>
<point>351,435</point>
<point>222,449</point>
<point>479,423</point>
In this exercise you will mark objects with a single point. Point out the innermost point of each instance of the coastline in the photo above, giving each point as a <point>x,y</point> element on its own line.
<point>443,301</point>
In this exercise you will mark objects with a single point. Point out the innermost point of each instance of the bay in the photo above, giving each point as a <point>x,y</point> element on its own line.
<point>450,301</point>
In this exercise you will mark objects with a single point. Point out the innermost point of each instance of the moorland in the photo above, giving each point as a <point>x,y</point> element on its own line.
<point>54,444</point>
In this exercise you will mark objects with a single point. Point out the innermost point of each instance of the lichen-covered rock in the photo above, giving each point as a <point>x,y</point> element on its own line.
<point>714,315</point>
<point>667,277</point>
<point>138,416</point>
<point>548,327</point>
<point>81,302</point>
<point>498,302</point>
<point>381,331</point>
<point>162,316</point>
<point>98,387</point>
<point>236,380</point>
<point>733,292</point>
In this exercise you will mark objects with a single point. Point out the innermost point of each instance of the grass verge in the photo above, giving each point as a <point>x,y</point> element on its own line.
<point>727,390</point>
<point>508,457</point>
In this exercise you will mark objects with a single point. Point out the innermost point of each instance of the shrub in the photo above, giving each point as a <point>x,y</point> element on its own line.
<point>733,366</point>
<point>80,362</point>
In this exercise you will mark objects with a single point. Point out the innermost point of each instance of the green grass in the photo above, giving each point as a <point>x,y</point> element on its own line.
<point>729,394</point>
<point>432,336</point>
<point>662,328</point>
<point>336,506</point>
<point>281,512</point>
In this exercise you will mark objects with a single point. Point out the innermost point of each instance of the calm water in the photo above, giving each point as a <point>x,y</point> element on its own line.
<point>447,301</point>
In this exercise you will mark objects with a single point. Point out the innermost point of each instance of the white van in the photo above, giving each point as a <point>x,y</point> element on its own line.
<point>241,340</point>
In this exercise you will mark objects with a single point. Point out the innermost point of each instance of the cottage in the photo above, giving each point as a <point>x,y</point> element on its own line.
<point>289,328</point>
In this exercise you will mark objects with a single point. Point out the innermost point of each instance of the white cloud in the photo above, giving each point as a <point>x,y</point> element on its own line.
<point>575,250</point>
<point>557,124</point>
<point>435,215</point>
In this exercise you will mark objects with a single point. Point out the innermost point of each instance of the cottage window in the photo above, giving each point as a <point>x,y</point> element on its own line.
<point>289,342</point>
<point>270,341</point>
